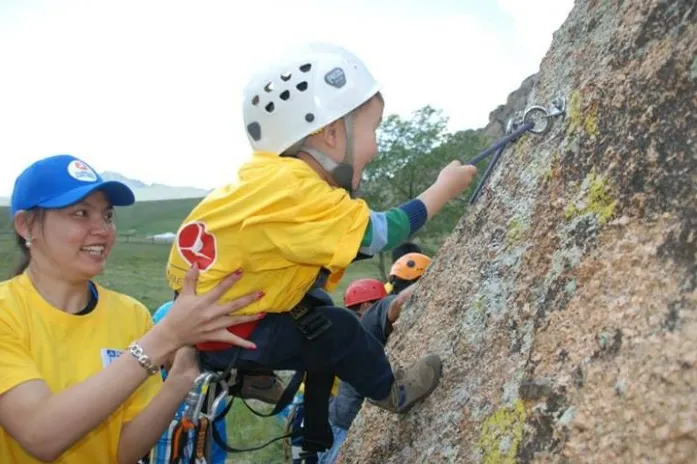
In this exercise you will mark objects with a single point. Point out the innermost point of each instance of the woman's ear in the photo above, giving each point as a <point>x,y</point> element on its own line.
<point>22,223</point>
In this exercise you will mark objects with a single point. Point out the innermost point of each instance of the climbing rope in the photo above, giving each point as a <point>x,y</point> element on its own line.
<point>536,120</point>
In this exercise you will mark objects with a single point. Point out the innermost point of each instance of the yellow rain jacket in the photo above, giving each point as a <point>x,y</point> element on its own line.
<point>281,223</point>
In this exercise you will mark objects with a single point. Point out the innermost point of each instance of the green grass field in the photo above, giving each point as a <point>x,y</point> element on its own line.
<point>137,268</point>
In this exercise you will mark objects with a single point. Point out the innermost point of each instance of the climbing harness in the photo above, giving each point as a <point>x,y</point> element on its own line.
<point>316,434</point>
<point>536,120</point>
<point>199,418</point>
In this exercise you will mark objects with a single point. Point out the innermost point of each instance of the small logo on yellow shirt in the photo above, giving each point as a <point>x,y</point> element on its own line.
<point>109,355</point>
<point>197,245</point>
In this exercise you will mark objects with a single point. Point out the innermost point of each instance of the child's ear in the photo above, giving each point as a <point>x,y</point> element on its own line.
<point>331,134</point>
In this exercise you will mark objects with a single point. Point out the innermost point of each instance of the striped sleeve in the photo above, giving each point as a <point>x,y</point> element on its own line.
<point>388,229</point>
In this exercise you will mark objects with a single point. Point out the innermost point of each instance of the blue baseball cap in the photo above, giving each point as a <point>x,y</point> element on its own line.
<point>62,180</point>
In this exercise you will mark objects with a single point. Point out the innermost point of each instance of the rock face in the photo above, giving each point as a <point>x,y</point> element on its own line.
<point>517,101</point>
<point>564,302</point>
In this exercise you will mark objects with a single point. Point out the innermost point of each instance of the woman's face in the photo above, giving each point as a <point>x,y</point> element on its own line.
<point>75,240</point>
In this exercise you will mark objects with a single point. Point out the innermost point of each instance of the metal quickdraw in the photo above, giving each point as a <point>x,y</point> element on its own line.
<point>202,452</point>
<point>193,419</point>
<point>536,120</point>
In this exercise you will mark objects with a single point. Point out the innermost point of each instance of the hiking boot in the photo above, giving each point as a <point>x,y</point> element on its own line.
<point>412,384</point>
<point>266,388</point>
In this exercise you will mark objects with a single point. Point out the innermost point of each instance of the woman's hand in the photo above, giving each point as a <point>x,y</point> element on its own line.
<point>196,319</point>
<point>185,367</point>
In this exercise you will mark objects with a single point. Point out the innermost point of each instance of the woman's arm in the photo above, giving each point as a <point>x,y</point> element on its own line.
<point>47,424</point>
<point>140,435</point>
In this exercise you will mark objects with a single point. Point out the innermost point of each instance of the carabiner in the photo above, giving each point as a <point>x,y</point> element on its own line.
<point>196,397</point>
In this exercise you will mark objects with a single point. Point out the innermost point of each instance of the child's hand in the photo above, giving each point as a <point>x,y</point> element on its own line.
<point>452,181</point>
<point>456,177</point>
<point>396,305</point>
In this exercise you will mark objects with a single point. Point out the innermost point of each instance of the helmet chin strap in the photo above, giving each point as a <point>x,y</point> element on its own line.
<point>341,173</point>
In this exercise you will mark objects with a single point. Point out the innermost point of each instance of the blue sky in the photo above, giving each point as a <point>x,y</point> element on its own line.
<point>152,88</point>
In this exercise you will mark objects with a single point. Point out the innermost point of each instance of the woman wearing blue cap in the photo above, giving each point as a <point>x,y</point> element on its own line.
<point>79,362</point>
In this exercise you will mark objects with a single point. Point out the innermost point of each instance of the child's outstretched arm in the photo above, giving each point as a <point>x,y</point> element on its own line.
<point>388,229</point>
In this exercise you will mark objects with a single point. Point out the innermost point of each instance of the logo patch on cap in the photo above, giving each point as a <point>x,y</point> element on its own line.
<point>80,171</point>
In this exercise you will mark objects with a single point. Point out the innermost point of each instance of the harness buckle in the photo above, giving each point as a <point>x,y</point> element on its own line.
<point>309,322</point>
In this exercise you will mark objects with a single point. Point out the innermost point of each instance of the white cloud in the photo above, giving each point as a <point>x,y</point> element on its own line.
<point>153,89</point>
<point>535,21</point>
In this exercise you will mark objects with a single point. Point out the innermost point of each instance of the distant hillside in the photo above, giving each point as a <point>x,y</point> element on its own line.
<point>154,192</point>
<point>140,220</point>
<point>145,192</point>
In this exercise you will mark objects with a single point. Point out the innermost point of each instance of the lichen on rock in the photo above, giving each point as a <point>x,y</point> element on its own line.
<point>501,434</point>
<point>596,199</point>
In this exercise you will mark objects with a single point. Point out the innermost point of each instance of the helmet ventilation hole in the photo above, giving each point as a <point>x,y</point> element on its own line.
<point>285,95</point>
<point>270,107</point>
<point>285,77</point>
<point>255,100</point>
<point>254,131</point>
<point>302,86</point>
<point>306,67</point>
<point>268,87</point>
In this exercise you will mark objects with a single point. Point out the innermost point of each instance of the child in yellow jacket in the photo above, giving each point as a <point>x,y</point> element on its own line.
<point>290,222</point>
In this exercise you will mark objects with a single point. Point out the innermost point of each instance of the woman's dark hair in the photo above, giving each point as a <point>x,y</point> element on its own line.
<point>35,215</point>
<point>24,258</point>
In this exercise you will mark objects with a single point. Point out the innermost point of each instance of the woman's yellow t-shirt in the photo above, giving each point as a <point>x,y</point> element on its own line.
<point>38,341</point>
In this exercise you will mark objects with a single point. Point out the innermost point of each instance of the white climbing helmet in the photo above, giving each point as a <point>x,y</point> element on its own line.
<point>305,91</point>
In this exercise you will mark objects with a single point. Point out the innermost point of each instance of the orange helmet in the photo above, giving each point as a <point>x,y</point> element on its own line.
<point>410,266</point>
<point>364,290</point>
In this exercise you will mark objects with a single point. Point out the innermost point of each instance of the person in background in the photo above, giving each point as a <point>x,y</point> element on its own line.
<point>406,271</point>
<point>79,362</point>
<point>403,249</point>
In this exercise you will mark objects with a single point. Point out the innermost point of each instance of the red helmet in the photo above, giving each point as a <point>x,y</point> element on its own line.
<point>363,290</point>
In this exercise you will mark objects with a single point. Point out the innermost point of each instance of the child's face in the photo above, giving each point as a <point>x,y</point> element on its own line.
<point>332,140</point>
<point>365,148</point>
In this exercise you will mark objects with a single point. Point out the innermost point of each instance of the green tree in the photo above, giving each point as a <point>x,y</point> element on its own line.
<point>412,153</point>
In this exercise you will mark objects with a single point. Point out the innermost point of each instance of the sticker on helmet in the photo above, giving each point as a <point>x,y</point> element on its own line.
<point>336,78</point>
